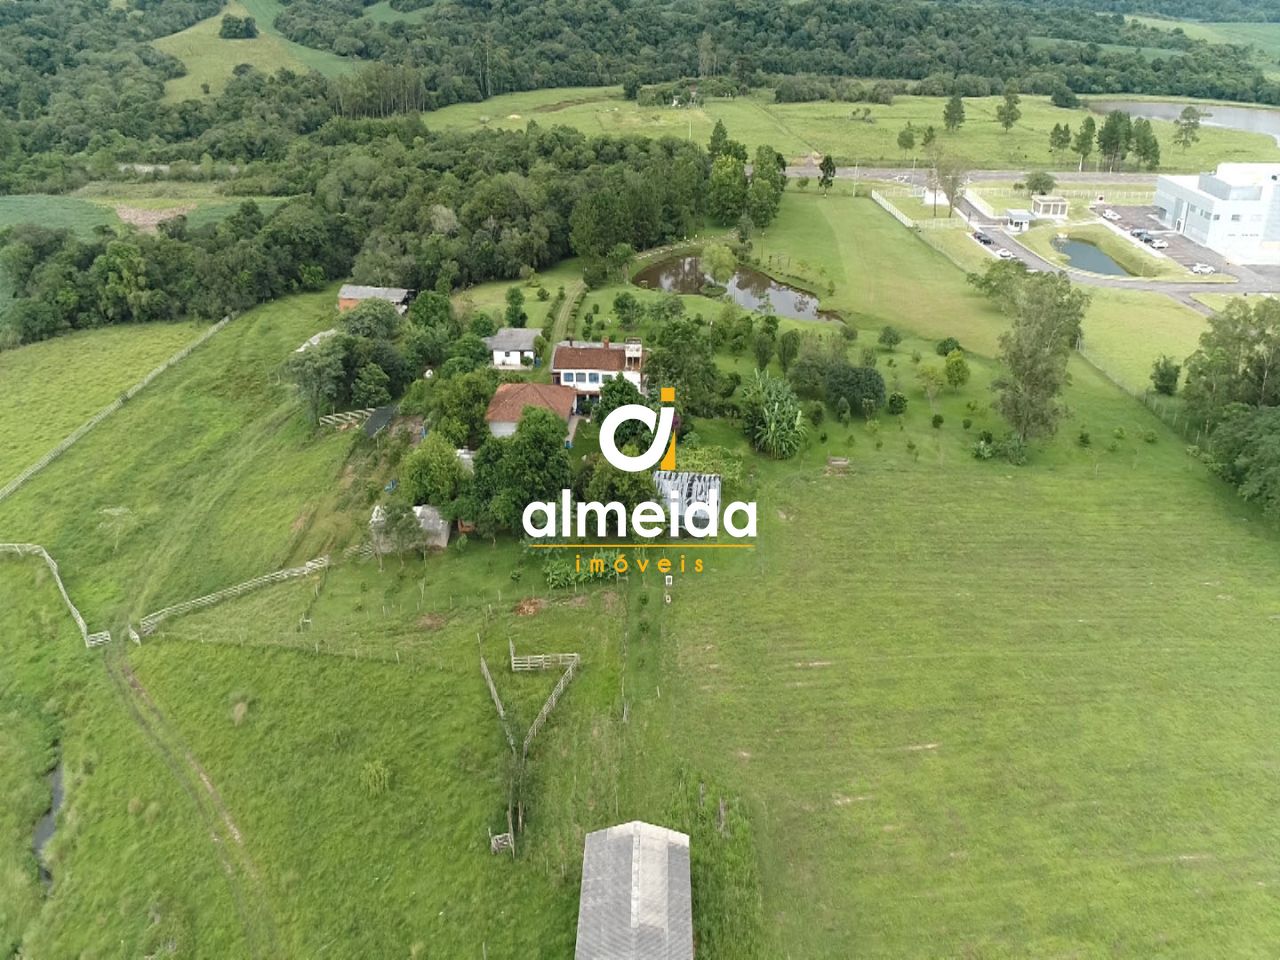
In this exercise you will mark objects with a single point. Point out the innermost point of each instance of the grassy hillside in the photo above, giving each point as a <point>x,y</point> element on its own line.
<point>210,59</point>
<point>798,129</point>
<point>58,384</point>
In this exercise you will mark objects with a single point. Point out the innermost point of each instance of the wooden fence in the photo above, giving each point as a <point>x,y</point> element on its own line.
<point>68,441</point>
<point>550,705</point>
<point>347,418</point>
<point>148,624</point>
<point>497,703</point>
<point>35,550</point>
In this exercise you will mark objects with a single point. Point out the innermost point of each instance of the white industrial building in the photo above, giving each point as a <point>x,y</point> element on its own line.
<point>1234,211</point>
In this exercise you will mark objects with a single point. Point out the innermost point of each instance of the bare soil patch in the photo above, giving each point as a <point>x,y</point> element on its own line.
<point>529,606</point>
<point>149,220</point>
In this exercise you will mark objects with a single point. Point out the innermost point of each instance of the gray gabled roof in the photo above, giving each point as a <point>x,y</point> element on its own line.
<point>513,338</point>
<point>352,291</point>
<point>636,902</point>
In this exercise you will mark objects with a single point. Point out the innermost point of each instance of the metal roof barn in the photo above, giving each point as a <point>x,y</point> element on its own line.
<point>635,902</point>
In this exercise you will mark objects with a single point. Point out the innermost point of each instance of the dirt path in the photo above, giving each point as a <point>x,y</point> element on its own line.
<point>243,877</point>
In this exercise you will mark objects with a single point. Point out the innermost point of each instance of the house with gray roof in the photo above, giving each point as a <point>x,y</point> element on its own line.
<point>636,902</point>
<point>511,346</point>
<point>352,295</point>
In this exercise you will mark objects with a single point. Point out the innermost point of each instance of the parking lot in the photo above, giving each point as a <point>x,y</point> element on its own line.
<point>1181,250</point>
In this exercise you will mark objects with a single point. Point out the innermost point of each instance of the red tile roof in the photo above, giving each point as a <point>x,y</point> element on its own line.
<point>508,404</point>
<point>610,358</point>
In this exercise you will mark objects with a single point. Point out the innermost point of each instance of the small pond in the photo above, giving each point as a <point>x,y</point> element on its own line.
<point>748,288</point>
<point>45,825</point>
<point>1086,256</point>
<point>1248,119</point>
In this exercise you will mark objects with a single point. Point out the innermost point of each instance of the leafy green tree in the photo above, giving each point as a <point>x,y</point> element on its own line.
<point>1145,145</point>
<point>930,135</point>
<point>627,309</point>
<point>931,378</point>
<point>1246,453</point>
<point>1238,360</point>
<point>618,392</point>
<point>719,142</point>
<point>459,404</point>
<point>1034,353</point>
<point>827,171</point>
<point>1165,373</point>
<point>371,387</point>
<point>607,483</point>
<point>1040,182</point>
<point>514,315</point>
<point>907,138</point>
<point>1083,142</point>
<point>890,337</point>
<point>374,319</point>
<point>1059,139</point>
<point>857,386</point>
<point>533,465</point>
<point>788,348</point>
<point>432,472</point>
<point>953,113</point>
<point>764,347</point>
<point>1187,127</point>
<point>956,368</point>
<point>431,309</point>
<point>320,374</point>
<point>1008,112</point>
<point>951,175</point>
<point>681,357</point>
<point>719,261</point>
<point>763,200</point>
<point>727,189</point>
<point>1115,138</point>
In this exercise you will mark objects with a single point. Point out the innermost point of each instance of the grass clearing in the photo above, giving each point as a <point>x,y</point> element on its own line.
<point>56,385</point>
<point>798,129</point>
<point>1126,331</point>
<point>210,59</point>
<point>57,212</point>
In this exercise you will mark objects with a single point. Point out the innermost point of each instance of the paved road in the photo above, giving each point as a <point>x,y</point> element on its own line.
<point>889,173</point>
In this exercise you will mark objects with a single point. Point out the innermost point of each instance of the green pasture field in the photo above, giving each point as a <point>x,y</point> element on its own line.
<point>798,129</point>
<point>210,59</point>
<point>56,212</point>
<point>221,476</point>
<point>1263,36</point>
<point>383,12</point>
<point>1125,331</point>
<point>41,409</point>
<point>955,708</point>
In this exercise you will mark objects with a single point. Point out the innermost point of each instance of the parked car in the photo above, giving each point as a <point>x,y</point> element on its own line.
<point>1139,232</point>
<point>1158,243</point>
<point>1004,254</point>
<point>1110,214</point>
<point>1202,268</point>
<point>982,238</point>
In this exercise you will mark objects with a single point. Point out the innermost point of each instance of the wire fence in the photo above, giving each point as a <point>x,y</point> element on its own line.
<point>1172,412</point>
<point>72,438</point>
<point>35,550</point>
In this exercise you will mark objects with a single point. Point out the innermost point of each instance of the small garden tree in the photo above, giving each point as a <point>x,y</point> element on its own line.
<point>956,368</point>
<point>890,338</point>
<point>1164,376</point>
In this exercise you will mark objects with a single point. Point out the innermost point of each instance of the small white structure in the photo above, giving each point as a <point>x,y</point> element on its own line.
<point>435,529</point>
<point>1234,211</point>
<point>636,901</point>
<point>510,347</point>
<point>319,338</point>
<point>1049,208</point>
<point>586,367</point>
<point>1018,220</point>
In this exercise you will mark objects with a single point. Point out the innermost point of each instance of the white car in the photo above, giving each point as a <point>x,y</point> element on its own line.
<point>1004,254</point>
<point>1203,269</point>
<point>1110,214</point>
<point>1158,244</point>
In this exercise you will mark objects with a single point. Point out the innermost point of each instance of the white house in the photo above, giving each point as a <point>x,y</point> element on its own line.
<point>585,367</point>
<point>511,346</point>
<point>511,400</point>
<point>1234,211</point>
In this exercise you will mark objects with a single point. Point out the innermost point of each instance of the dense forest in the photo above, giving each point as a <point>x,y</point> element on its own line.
<point>81,86</point>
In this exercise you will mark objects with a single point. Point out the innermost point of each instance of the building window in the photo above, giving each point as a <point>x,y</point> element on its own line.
<point>566,378</point>
<point>1217,216</point>
<point>581,377</point>
<point>593,378</point>
<point>1235,218</point>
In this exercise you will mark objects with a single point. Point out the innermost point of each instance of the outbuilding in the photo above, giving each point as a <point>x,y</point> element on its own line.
<point>636,901</point>
<point>1018,220</point>
<point>352,295</point>
<point>1049,208</point>
<point>512,347</point>
<point>510,401</point>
